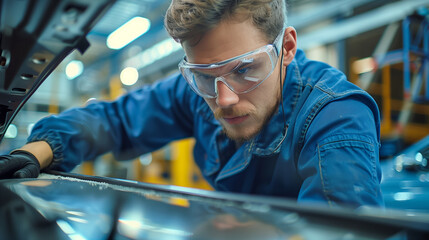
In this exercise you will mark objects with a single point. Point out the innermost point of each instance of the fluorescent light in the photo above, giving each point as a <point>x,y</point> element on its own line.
<point>11,132</point>
<point>128,32</point>
<point>129,76</point>
<point>156,52</point>
<point>74,69</point>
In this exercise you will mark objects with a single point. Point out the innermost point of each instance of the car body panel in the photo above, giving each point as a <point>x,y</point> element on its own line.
<point>99,208</point>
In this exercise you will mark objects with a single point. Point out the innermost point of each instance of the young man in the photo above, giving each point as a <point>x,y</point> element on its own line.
<point>266,120</point>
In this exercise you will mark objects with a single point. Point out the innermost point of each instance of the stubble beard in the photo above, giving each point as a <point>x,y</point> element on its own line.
<point>241,139</point>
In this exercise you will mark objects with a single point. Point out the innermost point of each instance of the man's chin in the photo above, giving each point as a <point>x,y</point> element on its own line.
<point>240,136</point>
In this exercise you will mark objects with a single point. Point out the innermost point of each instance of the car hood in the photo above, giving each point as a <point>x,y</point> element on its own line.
<point>35,37</point>
<point>84,207</point>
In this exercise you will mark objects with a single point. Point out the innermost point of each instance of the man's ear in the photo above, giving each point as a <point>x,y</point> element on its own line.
<point>289,45</point>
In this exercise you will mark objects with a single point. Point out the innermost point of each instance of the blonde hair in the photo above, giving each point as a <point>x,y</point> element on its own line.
<point>190,19</point>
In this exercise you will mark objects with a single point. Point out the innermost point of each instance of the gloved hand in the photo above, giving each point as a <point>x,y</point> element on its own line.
<point>19,164</point>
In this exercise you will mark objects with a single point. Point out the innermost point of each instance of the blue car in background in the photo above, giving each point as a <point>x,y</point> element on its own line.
<point>405,182</point>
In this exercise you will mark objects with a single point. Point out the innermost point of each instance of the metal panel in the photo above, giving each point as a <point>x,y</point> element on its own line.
<point>106,208</point>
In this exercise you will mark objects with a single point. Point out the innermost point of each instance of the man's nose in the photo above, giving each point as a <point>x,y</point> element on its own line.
<point>225,96</point>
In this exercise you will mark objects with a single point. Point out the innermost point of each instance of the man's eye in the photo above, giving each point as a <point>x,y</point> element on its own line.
<point>243,70</point>
<point>202,76</point>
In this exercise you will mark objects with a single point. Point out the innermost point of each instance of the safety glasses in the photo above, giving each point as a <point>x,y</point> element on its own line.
<point>241,74</point>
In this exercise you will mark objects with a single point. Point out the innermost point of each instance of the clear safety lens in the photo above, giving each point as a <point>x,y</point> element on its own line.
<point>241,75</point>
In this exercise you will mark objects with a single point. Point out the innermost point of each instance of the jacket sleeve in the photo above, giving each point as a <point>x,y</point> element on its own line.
<point>138,122</point>
<point>339,161</point>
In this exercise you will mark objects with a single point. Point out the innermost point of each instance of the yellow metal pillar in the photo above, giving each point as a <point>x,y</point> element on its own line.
<point>386,126</point>
<point>181,165</point>
<point>353,75</point>
<point>88,168</point>
<point>115,87</point>
<point>53,101</point>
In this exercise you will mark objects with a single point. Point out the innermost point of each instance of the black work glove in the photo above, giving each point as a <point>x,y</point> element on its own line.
<point>19,164</point>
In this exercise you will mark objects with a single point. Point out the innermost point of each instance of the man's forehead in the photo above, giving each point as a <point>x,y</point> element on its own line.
<point>228,40</point>
<point>193,57</point>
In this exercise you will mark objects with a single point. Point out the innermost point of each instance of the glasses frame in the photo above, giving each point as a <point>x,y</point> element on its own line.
<point>273,51</point>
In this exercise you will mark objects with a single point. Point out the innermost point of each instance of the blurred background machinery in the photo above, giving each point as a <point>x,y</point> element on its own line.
<point>382,45</point>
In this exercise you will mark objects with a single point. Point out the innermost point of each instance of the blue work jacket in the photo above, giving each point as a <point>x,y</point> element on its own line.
<point>328,152</point>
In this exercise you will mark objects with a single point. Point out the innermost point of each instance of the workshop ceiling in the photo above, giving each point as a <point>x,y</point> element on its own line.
<point>305,15</point>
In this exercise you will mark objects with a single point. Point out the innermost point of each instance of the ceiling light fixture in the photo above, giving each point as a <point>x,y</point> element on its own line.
<point>74,69</point>
<point>128,32</point>
<point>129,76</point>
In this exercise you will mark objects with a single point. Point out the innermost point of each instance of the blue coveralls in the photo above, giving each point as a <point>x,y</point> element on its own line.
<point>330,153</point>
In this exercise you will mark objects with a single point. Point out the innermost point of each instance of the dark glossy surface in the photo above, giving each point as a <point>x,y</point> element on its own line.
<point>59,207</point>
<point>85,209</point>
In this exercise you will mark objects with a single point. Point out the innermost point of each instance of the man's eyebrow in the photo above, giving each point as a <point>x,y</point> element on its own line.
<point>226,68</point>
<point>223,69</point>
<point>243,63</point>
<point>207,72</point>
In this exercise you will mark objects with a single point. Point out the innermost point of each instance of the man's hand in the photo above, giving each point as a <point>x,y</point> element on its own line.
<point>19,164</point>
